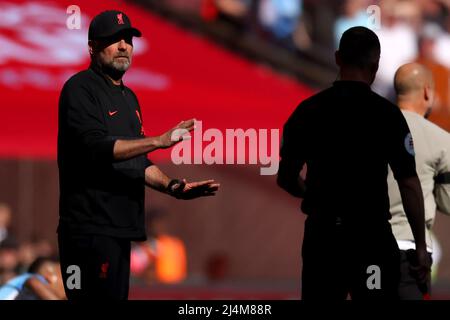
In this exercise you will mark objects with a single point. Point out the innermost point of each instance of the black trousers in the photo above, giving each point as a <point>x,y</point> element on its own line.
<point>408,288</point>
<point>340,259</point>
<point>94,267</point>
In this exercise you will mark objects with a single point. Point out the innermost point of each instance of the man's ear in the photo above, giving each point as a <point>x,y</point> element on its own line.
<point>91,45</point>
<point>426,93</point>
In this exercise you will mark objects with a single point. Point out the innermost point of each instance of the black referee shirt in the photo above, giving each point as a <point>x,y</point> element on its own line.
<point>347,135</point>
<point>99,195</point>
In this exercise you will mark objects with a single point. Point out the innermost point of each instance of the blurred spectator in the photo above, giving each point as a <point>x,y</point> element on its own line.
<point>435,11</point>
<point>398,43</point>
<point>408,12</point>
<point>43,281</point>
<point>9,260</point>
<point>353,14</point>
<point>280,18</point>
<point>27,254</point>
<point>162,258</point>
<point>442,47</point>
<point>44,248</point>
<point>5,221</point>
<point>441,74</point>
<point>233,12</point>
<point>28,251</point>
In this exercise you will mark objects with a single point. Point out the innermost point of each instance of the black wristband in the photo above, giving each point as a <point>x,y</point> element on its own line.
<point>170,187</point>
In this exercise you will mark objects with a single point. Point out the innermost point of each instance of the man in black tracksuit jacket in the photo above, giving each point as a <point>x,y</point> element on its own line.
<point>103,167</point>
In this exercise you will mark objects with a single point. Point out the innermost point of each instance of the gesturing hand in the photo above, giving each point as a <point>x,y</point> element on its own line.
<point>181,189</point>
<point>175,135</point>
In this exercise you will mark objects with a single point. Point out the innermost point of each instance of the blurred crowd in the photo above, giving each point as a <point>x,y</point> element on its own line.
<point>409,30</point>
<point>29,270</point>
<point>16,257</point>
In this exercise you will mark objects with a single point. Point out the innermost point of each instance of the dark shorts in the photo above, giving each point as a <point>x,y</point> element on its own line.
<point>94,267</point>
<point>340,260</point>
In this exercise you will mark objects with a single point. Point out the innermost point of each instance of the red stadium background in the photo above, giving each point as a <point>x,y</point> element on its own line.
<point>176,75</point>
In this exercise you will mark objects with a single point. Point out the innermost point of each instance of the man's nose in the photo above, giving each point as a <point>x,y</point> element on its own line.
<point>122,45</point>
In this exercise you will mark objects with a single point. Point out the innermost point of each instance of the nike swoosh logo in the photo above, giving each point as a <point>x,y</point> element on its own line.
<point>111,113</point>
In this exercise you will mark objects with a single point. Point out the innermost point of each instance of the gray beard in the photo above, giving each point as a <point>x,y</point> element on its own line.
<point>114,65</point>
<point>113,68</point>
<point>120,66</point>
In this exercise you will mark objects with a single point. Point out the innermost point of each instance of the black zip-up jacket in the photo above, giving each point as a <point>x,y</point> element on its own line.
<point>99,195</point>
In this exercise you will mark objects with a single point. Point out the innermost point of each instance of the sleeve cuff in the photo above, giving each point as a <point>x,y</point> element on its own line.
<point>103,150</point>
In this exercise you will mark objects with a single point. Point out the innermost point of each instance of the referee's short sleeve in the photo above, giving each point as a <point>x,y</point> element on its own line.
<point>82,115</point>
<point>401,155</point>
<point>293,143</point>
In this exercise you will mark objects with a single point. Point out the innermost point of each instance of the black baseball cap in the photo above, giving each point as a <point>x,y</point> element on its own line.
<point>108,23</point>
